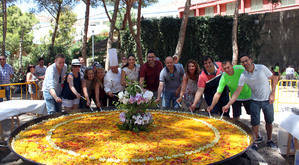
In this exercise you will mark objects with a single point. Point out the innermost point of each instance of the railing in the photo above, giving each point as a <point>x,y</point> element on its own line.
<point>20,84</point>
<point>290,87</point>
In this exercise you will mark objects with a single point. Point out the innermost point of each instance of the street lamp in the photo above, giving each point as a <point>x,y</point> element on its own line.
<point>93,45</point>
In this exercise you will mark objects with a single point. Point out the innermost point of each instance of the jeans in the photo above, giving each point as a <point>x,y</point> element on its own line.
<point>51,104</point>
<point>169,98</point>
<point>255,111</point>
<point>7,93</point>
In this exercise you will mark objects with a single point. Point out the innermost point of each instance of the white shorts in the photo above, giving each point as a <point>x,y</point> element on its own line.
<point>70,103</point>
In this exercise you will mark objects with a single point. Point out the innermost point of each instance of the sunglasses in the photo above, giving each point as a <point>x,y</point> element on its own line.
<point>76,66</point>
<point>2,59</point>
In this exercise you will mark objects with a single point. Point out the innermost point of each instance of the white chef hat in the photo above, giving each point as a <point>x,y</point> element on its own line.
<point>113,60</point>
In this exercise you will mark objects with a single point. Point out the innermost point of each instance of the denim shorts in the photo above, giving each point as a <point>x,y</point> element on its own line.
<point>255,112</point>
<point>51,104</point>
<point>237,105</point>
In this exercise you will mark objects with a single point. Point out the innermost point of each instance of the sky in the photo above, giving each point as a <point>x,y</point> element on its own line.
<point>161,8</point>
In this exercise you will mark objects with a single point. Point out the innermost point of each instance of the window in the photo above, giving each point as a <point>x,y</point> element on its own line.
<point>256,5</point>
<point>191,13</point>
<point>209,11</point>
<point>287,2</point>
<point>230,8</point>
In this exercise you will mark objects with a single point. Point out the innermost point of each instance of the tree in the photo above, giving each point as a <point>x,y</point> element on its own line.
<point>65,32</point>
<point>54,8</point>
<point>112,28</point>
<point>88,3</point>
<point>19,32</point>
<point>235,34</point>
<point>140,4</point>
<point>179,47</point>
<point>4,25</point>
<point>137,35</point>
<point>4,19</point>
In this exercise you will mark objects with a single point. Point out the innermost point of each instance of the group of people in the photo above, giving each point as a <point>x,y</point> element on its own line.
<point>172,85</point>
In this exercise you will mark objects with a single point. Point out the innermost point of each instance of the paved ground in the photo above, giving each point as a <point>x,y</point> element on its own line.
<point>264,155</point>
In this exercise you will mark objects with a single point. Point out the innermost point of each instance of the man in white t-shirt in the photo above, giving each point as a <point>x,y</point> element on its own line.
<point>290,74</point>
<point>257,77</point>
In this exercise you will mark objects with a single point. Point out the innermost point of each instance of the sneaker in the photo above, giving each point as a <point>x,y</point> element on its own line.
<point>254,146</point>
<point>258,140</point>
<point>271,144</point>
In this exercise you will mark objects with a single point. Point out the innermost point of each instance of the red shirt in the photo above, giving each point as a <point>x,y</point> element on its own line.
<point>151,75</point>
<point>203,77</point>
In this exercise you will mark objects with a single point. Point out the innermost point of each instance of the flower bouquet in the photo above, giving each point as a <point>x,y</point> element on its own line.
<point>135,101</point>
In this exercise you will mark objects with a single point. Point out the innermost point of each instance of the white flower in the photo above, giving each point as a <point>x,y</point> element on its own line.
<point>120,95</point>
<point>125,100</point>
<point>148,95</point>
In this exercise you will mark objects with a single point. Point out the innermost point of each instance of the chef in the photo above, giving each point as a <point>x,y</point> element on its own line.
<point>112,80</point>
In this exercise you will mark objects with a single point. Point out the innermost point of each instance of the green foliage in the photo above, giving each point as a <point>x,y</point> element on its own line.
<point>64,36</point>
<point>205,36</point>
<point>18,24</point>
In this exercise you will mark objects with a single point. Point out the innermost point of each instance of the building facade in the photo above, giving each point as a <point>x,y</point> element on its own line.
<point>226,7</point>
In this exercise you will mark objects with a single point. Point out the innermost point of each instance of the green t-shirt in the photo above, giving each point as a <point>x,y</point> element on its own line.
<point>276,69</point>
<point>233,82</point>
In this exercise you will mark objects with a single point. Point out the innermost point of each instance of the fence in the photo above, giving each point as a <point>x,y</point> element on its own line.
<point>287,93</point>
<point>2,91</point>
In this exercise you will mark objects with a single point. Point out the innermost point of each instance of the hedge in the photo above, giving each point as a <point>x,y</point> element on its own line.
<point>205,36</point>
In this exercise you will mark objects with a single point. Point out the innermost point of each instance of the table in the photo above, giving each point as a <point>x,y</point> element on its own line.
<point>290,122</point>
<point>13,108</point>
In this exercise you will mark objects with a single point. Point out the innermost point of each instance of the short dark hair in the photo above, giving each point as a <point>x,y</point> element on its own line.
<point>243,55</point>
<point>41,58</point>
<point>59,56</point>
<point>206,58</point>
<point>226,61</point>
<point>150,51</point>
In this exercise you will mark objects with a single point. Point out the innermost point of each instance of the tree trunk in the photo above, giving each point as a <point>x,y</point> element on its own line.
<point>180,45</point>
<point>21,51</point>
<point>112,27</point>
<point>4,27</point>
<point>85,30</point>
<point>137,35</point>
<point>235,34</point>
<point>55,30</point>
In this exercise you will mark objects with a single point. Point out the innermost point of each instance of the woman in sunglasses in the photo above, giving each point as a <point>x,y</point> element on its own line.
<point>72,87</point>
<point>30,77</point>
